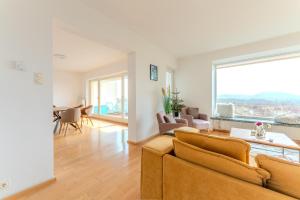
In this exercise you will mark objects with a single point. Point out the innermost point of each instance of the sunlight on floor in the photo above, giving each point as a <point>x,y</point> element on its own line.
<point>97,164</point>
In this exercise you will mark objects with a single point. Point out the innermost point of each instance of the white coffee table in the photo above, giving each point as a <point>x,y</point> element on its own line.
<point>273,139</point>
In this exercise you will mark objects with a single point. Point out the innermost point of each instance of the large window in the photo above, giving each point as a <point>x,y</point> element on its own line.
<point>109,96</point>
<point>169,81</point>
<point>262,88</point>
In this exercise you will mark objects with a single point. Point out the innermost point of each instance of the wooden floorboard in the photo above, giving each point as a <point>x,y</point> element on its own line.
<point>98,164</point>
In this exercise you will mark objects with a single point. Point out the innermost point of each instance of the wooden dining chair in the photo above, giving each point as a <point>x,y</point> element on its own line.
<point>86,114</point>
<point>70,116</point>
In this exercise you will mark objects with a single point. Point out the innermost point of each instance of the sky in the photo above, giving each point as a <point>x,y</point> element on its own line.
<point>274,76</point>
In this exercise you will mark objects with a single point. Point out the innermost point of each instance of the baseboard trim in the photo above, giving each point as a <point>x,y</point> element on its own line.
<point>111,121</point>
<point>31,190</point>
<point>143,141</point>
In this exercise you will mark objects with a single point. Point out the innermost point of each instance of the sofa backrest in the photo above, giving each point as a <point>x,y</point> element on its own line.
<point>185,180</point>
<point>232,147</point>
<point>285,175</point>
<point>220,163</point>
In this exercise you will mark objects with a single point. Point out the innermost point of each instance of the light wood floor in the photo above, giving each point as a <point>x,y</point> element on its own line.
<point>98,164</point>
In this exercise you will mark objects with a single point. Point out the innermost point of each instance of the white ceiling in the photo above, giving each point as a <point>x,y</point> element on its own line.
<point>186,27</point>
<point>81,54</point>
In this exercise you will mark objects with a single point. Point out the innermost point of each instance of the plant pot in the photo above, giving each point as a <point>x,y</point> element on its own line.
<point>176,114</point>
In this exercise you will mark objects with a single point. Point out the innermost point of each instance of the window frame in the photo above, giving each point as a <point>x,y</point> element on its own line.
<point>172,79</point>
<point>245,60</point>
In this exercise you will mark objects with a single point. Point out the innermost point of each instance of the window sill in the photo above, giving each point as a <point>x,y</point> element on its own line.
<point>253,120</point>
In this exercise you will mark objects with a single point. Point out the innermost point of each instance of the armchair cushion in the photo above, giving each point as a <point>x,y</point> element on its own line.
<point>200,124</point>
<point>169,119</point>
<point>194,112</point>
<point>182,121</point>
<point>203,116</point>
<point>189,119</point>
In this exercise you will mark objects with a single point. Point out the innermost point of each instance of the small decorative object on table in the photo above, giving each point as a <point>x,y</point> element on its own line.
<point>260,131</point>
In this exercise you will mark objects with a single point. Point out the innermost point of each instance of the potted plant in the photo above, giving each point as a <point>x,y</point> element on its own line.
<point>177,103</point>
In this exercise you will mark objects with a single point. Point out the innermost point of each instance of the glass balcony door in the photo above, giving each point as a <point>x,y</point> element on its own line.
<point>109,96</point>
<point>94,96</point>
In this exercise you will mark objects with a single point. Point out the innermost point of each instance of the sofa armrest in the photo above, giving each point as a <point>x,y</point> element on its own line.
<point>203,116</point>
<point>189,119</point>
<point>181,121</point>
<point>164,127</point>
<point>160,145</point>
<point>152,166</point>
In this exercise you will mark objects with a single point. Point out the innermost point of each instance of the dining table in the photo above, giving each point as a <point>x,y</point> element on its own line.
<point>56,114</point>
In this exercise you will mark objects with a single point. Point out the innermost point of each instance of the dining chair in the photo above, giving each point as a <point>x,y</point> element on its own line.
<point>70,116</point>
<point>79,106</point>
<point>86,114</point>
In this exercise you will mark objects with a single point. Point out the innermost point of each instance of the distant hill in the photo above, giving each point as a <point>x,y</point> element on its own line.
<point>265,97</point>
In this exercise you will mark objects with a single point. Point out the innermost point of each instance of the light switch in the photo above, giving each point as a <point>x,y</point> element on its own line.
<point>19,66</point>
<point>39,78</point>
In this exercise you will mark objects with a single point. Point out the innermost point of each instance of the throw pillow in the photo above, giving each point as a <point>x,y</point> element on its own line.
<point>169,119</point>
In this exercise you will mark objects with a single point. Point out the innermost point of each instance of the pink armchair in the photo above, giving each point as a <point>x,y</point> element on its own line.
<point>194,118</point>
<point>166,123</point>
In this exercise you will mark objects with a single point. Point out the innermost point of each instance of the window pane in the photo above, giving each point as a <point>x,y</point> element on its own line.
<point>94,96</point>
<point>263,90</point>
<point>111,97</point>
<point>126,97</point>
<point>169,81</point>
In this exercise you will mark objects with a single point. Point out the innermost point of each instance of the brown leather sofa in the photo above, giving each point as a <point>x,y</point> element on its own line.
<point>195,166</point>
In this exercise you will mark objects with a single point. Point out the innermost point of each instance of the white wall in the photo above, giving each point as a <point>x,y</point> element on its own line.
<point>26,144</point>
<point>145,97</point>
<point>67,88</point>
<point>26,129</point>
<point>148,93</point>
<point>117,67</point>
<point>194,75</point>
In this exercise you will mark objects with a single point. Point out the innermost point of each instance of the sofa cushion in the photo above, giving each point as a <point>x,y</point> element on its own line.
<point>220,163</point>
<point>160,145</point>
<point>232,147</point>
<point>285,175</point>
<point>186,129</point>
<point>200,124</point>
<point>194,112</point>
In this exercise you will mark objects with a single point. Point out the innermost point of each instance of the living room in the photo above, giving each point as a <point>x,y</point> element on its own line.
<point>217,56</point>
